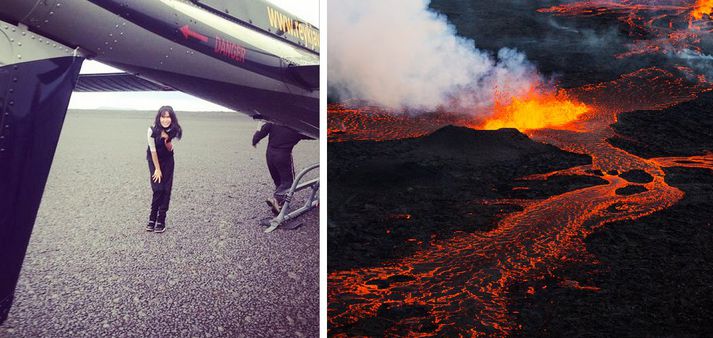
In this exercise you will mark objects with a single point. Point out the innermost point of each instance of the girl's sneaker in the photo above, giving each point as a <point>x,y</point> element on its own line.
<point>274,205</point>
<point>160,227</point>
<point>150,226</point>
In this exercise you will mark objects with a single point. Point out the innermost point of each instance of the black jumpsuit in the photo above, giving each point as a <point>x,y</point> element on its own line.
<point>161,190</point>
<point>279,155</point>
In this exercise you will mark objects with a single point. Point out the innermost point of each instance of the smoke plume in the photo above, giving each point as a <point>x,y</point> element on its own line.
<point>703,63</point>
<point>401,55</point>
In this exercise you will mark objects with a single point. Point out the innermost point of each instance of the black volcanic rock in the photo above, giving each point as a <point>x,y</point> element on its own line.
<point>554,185</point>
<point>630,190</point>
<point>431,157</point>
<point>387,199</point>
<point>637,176</point>
<point>484,147</point>
<point>597,172</point>
<point>481,146</point>
<point>682,130</point>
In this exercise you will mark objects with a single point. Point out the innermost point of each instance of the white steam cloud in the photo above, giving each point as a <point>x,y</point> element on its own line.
<point>699,61</point>
<point>402,55</point>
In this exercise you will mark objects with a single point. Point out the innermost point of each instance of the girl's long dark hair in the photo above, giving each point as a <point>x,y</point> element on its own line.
<point>174,130</point>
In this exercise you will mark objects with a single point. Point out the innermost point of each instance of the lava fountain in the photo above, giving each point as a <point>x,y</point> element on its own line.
<point>702,7</point>
<point>535,110</point>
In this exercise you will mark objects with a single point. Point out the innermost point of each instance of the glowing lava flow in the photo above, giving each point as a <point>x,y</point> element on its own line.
<point>462,286</point>
<point>464,282</point>
<point>535,111</point>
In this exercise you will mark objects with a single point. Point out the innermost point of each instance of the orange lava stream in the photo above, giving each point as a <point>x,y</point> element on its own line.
<point>464,282</point>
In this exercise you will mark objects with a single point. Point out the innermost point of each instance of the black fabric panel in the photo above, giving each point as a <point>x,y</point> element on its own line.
<point>33,103</point>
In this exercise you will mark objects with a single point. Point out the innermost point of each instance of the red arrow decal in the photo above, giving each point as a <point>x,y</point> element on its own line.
<point>187,32</point>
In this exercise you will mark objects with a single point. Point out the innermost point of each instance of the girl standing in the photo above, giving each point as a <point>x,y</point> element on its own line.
<point>160,157</point>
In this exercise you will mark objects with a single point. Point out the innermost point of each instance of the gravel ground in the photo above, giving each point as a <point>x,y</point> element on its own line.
<point>91,269</point>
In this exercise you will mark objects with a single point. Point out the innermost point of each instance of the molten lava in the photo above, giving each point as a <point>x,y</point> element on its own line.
<point>349,123</point>
<point>702,7</point>
<point>536,111</point>
<point>464,285</point>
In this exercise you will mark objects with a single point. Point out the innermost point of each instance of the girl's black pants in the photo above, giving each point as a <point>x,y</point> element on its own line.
<point>162,190</point>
